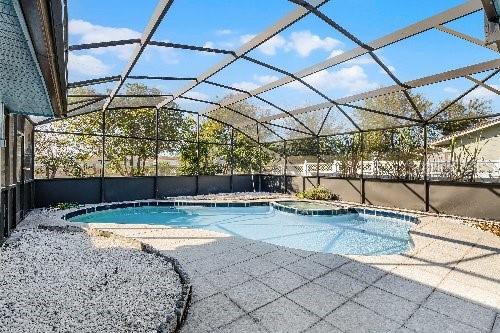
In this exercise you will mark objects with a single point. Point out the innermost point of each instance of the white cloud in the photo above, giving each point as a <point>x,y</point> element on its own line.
<point>304,42</point>
<point>245,85</point>
<point>223,32</point>
<point>271,46</point>
<point>335,53</point>
<point>167,55</point>
<point>352,79</point>
<point>251,85</point>
<point>246,38</point>
<point>93,33</point>
<point>482,93</point>
<point>368,60</point>
<point>450,90</point>
<point>362,60</point>
<point>87,65</point>
<point>391,68</point>
<point>197,95</point>
<point>209,44</point>
<point>265,79</point>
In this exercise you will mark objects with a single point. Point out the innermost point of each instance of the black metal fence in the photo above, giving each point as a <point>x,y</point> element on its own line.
<point>49,192</point>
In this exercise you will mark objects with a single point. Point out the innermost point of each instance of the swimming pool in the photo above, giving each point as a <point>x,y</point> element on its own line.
<point>350,233</point>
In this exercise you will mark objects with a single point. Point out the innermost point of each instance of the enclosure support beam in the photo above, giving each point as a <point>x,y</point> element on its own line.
<point>32,165</point>
<point>424,81</point>
<point>468,91</point>
<point>449,15</point>
<point>197,154</point>
<point>284,167</point>
<point>255,42</point>
<point>260,158</point>
<point>482,84</point>
<point>157,115</point>
<point>103,146</point>
<point>231,161</point>
<point>466,37</point>
<point>318,157</point>
<point>362,173</point>
<point>160,11</point>
<point>426,177</point>
<point>358,42</point>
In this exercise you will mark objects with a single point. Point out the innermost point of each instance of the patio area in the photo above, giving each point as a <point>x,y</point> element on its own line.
<point>250,166</point>
<point>448,282</point>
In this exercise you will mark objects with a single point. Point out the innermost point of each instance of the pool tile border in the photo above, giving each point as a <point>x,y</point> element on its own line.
<point>274,204</point>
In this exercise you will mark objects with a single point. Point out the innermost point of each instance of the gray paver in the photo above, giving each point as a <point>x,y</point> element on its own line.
<point>322,327</point>
<point>242,325</point>
<point>461,310</point>
<point>284,316</point>
<point>261,248</point>
<point>386,304</point>
<point>410,290</point>
<point>340,283</point>
<point>352,317</point>
<point>329,260</point>
<point>227,277</point>
<point>195,326</point>
<point>214,311</point>
<point>257,266</point>
<point>282,280</point>
<point>316,298</point>
<point>496,326</point>
<point>202,288</point>
<point>426,320</point>
<point>307,268</point>
<point>362,272</point>
<point>281,257</point>
<point>251,295</point>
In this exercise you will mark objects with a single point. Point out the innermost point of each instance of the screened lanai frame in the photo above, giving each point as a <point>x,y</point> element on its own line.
<point>437,22</point>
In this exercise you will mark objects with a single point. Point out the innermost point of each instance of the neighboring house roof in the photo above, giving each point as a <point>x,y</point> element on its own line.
<point>479,127</point>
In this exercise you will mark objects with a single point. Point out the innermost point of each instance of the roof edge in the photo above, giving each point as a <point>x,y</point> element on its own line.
<point>45,24</point>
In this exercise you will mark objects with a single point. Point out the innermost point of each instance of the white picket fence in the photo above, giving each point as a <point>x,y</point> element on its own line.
<point>436,169</point>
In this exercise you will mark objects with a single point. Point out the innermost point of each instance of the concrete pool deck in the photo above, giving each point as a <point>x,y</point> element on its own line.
<point>449,282</point>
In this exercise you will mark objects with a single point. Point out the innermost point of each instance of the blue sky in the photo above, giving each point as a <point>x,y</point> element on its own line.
<point>229,23</point>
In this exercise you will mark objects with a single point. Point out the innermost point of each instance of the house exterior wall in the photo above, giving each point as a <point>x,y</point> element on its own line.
<point>487,140</point>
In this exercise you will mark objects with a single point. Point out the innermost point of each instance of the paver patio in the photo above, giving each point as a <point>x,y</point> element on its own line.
<point>449,282</point>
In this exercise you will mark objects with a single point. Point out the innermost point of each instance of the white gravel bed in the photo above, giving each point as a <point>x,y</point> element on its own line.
<point>53,281</point>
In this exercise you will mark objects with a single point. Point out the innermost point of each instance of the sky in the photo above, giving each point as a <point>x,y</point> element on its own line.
<point>227,24</point>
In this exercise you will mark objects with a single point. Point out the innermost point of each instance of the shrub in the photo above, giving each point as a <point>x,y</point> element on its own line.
<point>318,193</point>
<point>65,205</point>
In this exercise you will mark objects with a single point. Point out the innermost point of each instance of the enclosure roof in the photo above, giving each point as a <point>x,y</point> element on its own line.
<point>438,50</point>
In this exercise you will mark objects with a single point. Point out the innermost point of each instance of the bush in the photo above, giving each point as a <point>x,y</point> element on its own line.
<point>318,193</point>
<point>65,205</point>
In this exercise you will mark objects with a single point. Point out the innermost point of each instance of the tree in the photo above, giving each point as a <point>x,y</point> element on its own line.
<point>344,149</point>
<point>135,156</point>
<point>56,153</point>
<point>71,155</point>
<point>460,110</point>
<point>215,155</point>
<point>396,104</point>
<point>77,155</point>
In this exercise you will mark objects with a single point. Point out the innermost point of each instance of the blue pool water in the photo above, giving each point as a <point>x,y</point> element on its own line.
<point>342,234</point>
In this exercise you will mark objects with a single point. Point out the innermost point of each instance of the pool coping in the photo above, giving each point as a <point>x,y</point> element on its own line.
<point>275,204</point>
